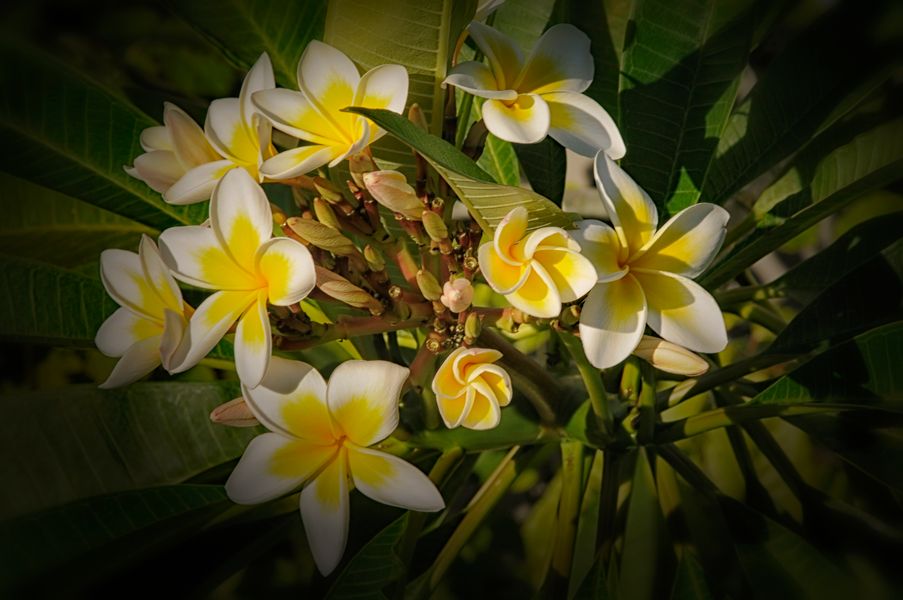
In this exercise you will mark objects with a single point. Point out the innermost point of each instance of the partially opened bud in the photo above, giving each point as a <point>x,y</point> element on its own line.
<point>234,413</point>
<point>321,236</point>
<point>434,225</point>
<point>341,289</point>
<point>360,164</point>
<point>428,285</point>
<point>416,116</point>
<point>457,294</point>
<point>670,358</point>
<point>391,189</point>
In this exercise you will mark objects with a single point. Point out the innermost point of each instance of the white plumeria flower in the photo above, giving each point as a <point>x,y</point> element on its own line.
<point>535,272</point>
<point>329,82</point>
<point>470,390</point>
<point>234,254</point>
<point>645,275</point>
<point>319,437</point>
<point>148,328</point>
<point>541,95</point>
<point>184,163</point>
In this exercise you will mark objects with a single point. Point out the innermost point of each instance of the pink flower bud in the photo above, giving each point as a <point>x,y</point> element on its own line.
<point>457,294</point>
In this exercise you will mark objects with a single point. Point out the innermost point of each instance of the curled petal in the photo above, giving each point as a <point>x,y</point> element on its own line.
<point>390,480</point>
<point>601,245</point>
<point>452,409</point>
<point>241,217</point>
<point>629,207</point>
<point>158,274</point>
<point>687,243</point>
<point>123,329</point>
<point>324,510</point>
<point>157,138</point>
<point>288,269</point>
<point>560,62</point>
<point>189,143</point>
<point>260,77</point>
<point>510,230</point>
<point>484,410</point>
<point>525,121</point>
<point>501,276</point>
<point>209,324</point>
<point>612,321</point>
<point>123,277</point>
<point>299,161</point>
<point>504,56</point>
<point>141,358</point>
<point>273,465</point>
<point>159,169</point>
<point>291,112</point>
<point>253,342</point>
<point>363,399</point>
<point>497,380</point>
<point>682,311</point>
<point>476,78</point>
<point>537,295</point>
<point>385,86</point>
<point>197,184</point>
<point>171,342</point>
<point>229,134</point>
<point>580,124</point>
<point>571,272</point>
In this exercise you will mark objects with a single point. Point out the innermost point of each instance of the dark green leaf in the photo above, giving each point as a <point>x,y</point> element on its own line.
<point>243,29</point>
<point>514,428</point>
<point>500,161</point>
<point>68,444</point>
<point>545,165</point>
<point>371,569</point>
<point>678,84</point>
<point>537,533</point>
<point>690,584</point>
<point>587,524</point>
<point>524,20</point>
<point>69,134</point>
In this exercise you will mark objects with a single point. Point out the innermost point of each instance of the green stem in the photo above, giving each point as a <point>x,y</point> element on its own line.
<point>765,317</point>
<point>744,294</point>
<point>592,381</point>
<point>348,327</point>
<point>646,404</point>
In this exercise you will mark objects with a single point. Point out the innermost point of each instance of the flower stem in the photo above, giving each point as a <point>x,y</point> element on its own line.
<point>592,381</point>
<point>352,327</point>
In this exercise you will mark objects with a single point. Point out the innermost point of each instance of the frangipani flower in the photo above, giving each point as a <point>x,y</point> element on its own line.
<point>527,99</point>
<point>235,255</point>
<point>329,82</point>
<point>538,272</point>
<point>644,274</point>
<point>470,390</point>
<point>147,330</point>
<point>319,437</point>
<point>184,163</point>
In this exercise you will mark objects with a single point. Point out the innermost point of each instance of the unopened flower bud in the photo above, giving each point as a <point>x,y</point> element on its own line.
<point>321,236</point>
<point>234,413</point>
<point>428,285</point>
<point>328,190</point>
<point>434,225</point>
<point>391,189</point>
<point>569,316</point>
<point>278,214</point>
<point>360,164</point>
<point>343,290</point>
<point>416,116</point>
<point>325,214</point>
<point>374,258</point>
<point>457,294</point>
<point>472,326</point>
<point>670,358</point>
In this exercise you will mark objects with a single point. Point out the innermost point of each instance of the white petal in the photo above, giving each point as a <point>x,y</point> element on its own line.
<point>156,138</point>
<point>510,230</point>
<point>560,62</point>
<point>476,78</point>
<point>288,269</point>
<point>327,76</point>
<point>682,311</point>
<point>501,276</point>
<point>612,321</point>
<point>291,112</point>
<point>390,480</point>
<point>253,342</point>
<point>324,510</point>
<point>363,399</point>
<point>601,245</point>
<point>385,86</point>
<point>172,348</point>
<point>122,330</point>
<point>291,400</point>
<point>504,56</point>
<point>124,279</point>
<point>196,256</point>
<point>158,275</point>
<point>209,324</point>
<point>629,207</point>
<point>524,122</point>
<point>299,161</point>
<point>537,295</point>
<point>260,77</point>
<point>241,217</point>
<point>274,465</point>
<point>228,133</point>
<point>188,141</point>
<point>687,243</point>
<point>140,359</point>
<point>197,184</point>
<point>159,169</point>
<point>573,274</point>
<point>580,124</point>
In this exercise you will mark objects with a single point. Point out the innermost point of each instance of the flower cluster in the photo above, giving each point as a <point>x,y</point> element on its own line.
<point>263,266</point>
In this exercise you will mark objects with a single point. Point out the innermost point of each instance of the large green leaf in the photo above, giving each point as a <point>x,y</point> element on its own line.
<point>871,160</point>
<point>242,29</point>
<point>810,86</point>
<point>524,20</point>
<point>373,568</point>
<point>63,445</point>
<point>500,160</point>
<point>417,34</point>
<point>100,529</point>
<point>678,84</point>
<point>488,202</point>
<point>44,225</point>
<point>587,525</point>
<point>545,165</point>
<point>71,135</point>
<point>689,583</point>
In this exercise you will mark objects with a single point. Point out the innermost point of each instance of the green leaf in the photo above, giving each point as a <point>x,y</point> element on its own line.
<point>595,585</point>
<point>514,428</point>
<point>73,136</point>
<point>871,160</point>
<point>63,445</point>
<point>47,226</point>
<point>373,568</point>
<point>524,20</point>
<point>587,524</point>
<point>500,160</point>
<point>690,584</point>
<point>678,83</point>
<point>538,533</point>
<point>488,202</point>
<point>808,87</point>
<point>417,34</point>
<point>545,165</point>
<point>100,529</point>
<point>45,304</point>
<point>243,29</point>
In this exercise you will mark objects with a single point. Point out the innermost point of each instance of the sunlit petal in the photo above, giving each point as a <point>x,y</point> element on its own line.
<point>560,62</point>
<point>158,275</point>
<point>363,399</point>
<point>629,207</point>
<point>385,86</point>
<point>291,112</point>
<point>601,245</point>
<point>453,408</point>
<point>241,217</point>
<point>504,56</point>
<point>195,255</point>
<point>476,78</point>
<point>288,269</point>
<point>484,412</point>
<point>260,77</point>
<point>209,324</point>
<point>299,161</point>
<point>141,358</point>
<point>538,295</point>
<point>228,133</point>
<point>124,279</point>
<point>329,80</point>
<point>612,321</point>
<point>324,510</point>
<point>122,330</point>
<point>682,311</point>
<point>687,243</point>
<point>253,342</point>
<point>197,184</point>
<point>572,273</point>
<point>525,121</point>
<point>274,465</point>
<point>501,276</point>
<point>390,480</point>
<point>158,138</point>
<point>580,124</point>
<point>509,232</point>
